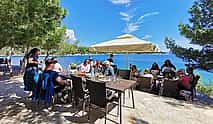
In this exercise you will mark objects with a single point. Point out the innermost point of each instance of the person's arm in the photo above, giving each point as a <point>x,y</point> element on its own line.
<point>174,67</point>
<point>31,61</point>
<point>112,71</point>
<point>60,81</point>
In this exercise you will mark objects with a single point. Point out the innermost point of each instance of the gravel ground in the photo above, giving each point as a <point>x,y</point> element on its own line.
<point>150,109</point>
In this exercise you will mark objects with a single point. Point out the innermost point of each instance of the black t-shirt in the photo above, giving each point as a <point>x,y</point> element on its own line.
<point>110,60</point>
<point>35,58</point>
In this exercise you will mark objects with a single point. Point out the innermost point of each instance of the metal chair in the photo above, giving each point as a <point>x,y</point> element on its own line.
<point>98,96</point>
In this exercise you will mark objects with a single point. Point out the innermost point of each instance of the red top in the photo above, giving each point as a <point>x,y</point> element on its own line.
<point>185,81</point>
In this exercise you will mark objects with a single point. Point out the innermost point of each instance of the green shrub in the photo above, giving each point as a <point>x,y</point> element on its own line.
<point>206,89</point>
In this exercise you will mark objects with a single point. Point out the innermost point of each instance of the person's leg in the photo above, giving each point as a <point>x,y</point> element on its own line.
<point>60,90</point>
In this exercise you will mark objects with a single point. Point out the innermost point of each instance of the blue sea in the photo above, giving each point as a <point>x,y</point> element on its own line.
<point>142,61</point>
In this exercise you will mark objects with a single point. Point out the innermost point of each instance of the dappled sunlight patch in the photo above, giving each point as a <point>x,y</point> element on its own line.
<point>22,86</point>
<point>9,82</point>
<point>51,114</point>
<point>14,96</point>
<point>67,114</point>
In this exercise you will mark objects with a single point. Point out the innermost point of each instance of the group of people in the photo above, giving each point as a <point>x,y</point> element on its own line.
<point>90,67</point>
<point>168,70</point>
<point>7,62</point>
<point>37,82</point>
<point>33,78</point>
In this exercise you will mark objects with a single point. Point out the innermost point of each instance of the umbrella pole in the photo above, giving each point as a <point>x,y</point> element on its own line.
<point>126,60</point>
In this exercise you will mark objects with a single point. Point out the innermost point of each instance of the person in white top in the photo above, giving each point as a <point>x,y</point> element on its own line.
<point>58,68</point>
<point>147,73</point>
<point>85,67</point>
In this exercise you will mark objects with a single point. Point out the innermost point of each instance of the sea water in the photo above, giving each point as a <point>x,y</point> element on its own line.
<point>142,61</point>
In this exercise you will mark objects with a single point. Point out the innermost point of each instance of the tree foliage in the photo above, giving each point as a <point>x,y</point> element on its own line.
<point>67,48</point>
<point>200,32</point>
<point>30,23</point>
<point>200,29</point>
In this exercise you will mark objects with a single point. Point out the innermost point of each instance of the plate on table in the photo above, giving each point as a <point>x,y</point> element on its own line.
<point>104,80</point>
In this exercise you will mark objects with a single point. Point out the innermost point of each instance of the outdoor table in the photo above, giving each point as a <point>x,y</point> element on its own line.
<point>120,86</point>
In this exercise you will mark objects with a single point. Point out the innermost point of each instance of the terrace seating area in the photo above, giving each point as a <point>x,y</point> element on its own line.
<point>149,109</point>
<point>105,90</point>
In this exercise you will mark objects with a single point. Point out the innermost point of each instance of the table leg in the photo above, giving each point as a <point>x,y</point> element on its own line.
<point>124,98</point>
<point>119,95</point>
<point>133,102</point>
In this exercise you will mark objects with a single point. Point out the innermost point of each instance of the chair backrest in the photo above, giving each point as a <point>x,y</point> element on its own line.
<point>170,88</point>
<point>144,82</point>
<point>124,74</point>
<point>97,92</point>
<point>45,88</point>
<point>77,86</point>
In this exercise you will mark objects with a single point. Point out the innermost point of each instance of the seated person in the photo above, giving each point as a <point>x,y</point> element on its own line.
<point>168,69</point>
<point>58,68</point>
<point>191,75</point>
<point>110,59</point>
<point>155,70</point>
<point>85,67</point>
<point>184,80</point>
<point>59,83</point>
<point>147,73</point>
<point>108,69</point>
<point>97,67</point>
<point>134,73</point>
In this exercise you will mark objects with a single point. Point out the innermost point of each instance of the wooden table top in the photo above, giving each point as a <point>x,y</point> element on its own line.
<point>120,85</point>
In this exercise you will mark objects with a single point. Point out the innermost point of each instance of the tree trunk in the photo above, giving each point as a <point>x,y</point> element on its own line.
<point>24,61</point>
<point>47,55</point>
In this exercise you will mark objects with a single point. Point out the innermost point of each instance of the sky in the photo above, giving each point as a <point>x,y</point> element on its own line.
<point>95,21</point>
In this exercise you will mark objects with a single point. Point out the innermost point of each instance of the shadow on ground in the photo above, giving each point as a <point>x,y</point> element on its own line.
<point>17,108</point>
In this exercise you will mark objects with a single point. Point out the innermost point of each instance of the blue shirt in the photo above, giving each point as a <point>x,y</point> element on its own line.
<point>109,71</point>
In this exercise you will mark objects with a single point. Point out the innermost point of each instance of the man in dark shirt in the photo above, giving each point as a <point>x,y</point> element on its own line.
<point>53,74</point>
<point>110,59</point>
<point>59,83</point>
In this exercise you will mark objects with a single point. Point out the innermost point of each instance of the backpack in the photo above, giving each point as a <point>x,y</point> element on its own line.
<point>46,87</point>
